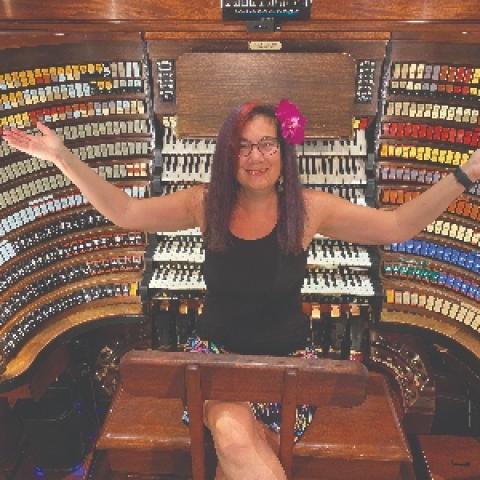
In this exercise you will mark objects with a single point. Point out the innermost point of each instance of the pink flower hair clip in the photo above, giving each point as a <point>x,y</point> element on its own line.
<point>292,122</point>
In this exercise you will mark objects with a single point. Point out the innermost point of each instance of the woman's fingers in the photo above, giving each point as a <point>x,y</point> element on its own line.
<point>13,132</point>
<point>15,135</point>
<point>45,145</point>
<point>43,128</point>
<point>9,132</point>
<point>18,139</point>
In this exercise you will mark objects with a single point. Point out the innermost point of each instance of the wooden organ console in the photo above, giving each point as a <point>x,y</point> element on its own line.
<point>126,87</point>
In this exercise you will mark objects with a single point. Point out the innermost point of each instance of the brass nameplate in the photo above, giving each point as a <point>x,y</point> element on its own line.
<point>265,46</point>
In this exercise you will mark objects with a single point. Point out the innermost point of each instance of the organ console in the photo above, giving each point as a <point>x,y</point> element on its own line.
<point>393,108</point>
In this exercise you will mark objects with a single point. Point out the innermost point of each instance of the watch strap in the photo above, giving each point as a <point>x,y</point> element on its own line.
<point>462,178</point>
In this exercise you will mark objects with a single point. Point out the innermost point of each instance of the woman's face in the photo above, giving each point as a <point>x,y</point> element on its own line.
<point>259,160</point>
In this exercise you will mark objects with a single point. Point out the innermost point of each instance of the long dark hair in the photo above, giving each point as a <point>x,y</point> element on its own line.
<point>223,187</point>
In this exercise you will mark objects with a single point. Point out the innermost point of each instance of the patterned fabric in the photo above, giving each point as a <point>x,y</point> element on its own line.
<point>268,413</point>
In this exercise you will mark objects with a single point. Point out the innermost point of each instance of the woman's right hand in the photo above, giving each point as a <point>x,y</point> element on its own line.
<point>47,146</point>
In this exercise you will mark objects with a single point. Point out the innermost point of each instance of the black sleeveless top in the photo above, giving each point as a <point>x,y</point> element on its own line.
<point>253,303</point>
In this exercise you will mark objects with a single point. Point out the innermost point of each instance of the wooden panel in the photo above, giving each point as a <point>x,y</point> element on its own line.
<point>12,39</point>
<point>401,10</point>
<point>307,468</point>
<point>118,10</point>
<point>448,36</point>
<point>177,17</point>
<point>125,10</point>
<point>168,49</point>
<point>357,442</point>
<point>63,54</point>
<point>220,381</point>
<point>451,458</point>
<point>150,462</point>
<point>209,86</point>
<point>441,53</point>
<point>239,32</point>
<point>192,29</point>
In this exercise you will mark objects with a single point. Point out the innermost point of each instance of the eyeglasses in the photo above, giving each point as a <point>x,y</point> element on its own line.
<point>266,146</point>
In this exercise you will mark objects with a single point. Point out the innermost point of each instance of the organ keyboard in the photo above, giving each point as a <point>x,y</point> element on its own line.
<point>332,253</point>
<point>356,146</point>
<point>180,248</point>
<point>174,278</point>
<point>333,169</point>
<point>321,253</point>
<point>345,282</point>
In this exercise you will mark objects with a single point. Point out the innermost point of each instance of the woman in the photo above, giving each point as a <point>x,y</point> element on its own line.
<point>257,223</point>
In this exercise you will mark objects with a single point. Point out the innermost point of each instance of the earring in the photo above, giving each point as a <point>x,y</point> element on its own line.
<point>280,184</point>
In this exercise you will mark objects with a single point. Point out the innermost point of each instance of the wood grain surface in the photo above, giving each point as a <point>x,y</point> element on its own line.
<point>209,10</point>
<point>210,85</point>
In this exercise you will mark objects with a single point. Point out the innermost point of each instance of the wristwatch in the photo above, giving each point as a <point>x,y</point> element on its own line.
<point>463,179</point>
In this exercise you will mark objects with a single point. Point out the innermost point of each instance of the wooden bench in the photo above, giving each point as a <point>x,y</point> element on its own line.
<point>449,457</point>
<point>355,430</point>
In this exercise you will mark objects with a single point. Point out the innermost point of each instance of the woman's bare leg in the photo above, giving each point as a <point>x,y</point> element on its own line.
<point>243,449</point>
<point>219,475</point>
<point>272,438</point>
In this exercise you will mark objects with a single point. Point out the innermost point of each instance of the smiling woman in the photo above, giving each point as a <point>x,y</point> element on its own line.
<point>257,223</point>
<point>254,185</point>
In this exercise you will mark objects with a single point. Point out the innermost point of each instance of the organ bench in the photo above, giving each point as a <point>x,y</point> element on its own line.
<point>355,432</point>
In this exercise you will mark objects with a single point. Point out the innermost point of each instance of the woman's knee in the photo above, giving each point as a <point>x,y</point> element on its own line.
<point>232,425</point>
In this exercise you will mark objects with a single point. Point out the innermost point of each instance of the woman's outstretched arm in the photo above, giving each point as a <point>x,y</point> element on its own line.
<point>167,213</point>
<point>338,218</point>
